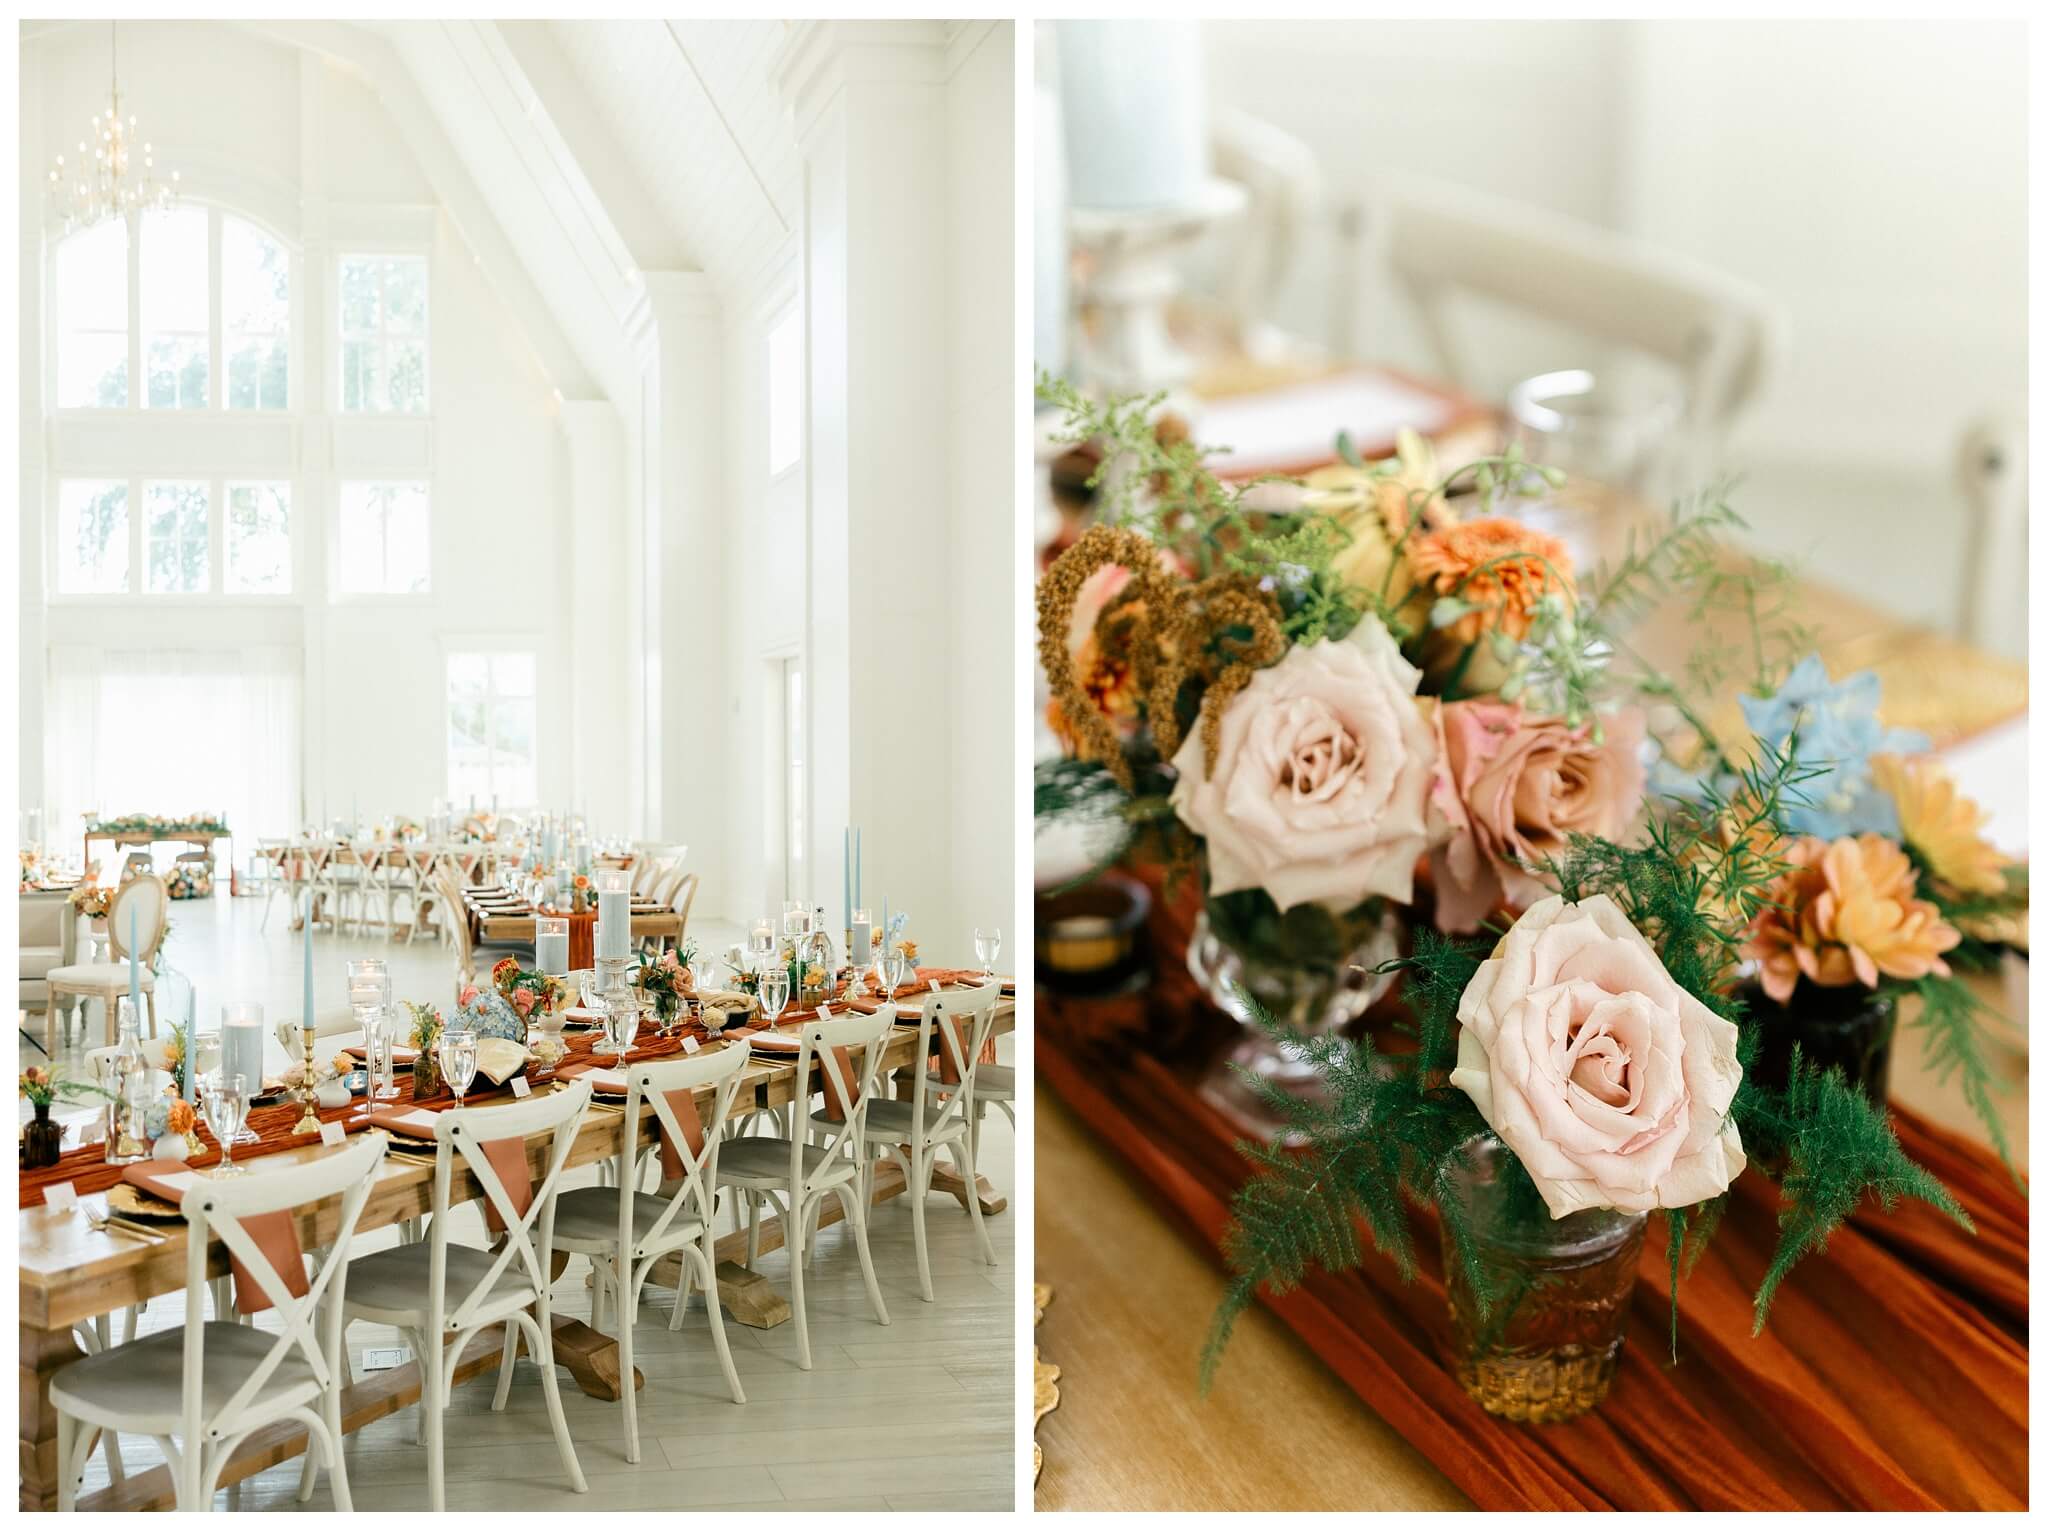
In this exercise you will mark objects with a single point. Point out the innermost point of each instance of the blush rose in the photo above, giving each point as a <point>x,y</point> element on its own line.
<point>1512,789</point>
<point>1320,788</point>
<point>1610,1083</point>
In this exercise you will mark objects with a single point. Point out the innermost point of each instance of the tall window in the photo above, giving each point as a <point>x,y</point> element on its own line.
<point>492,732</point>
<point>793,832</point>
<point>92,318</point>
<point>206,279</point>
<point>256,315</point>
<point>384,333</point>
<point>259,550</point>
<point>177,527</point>
<point>176,328</point>
<point>785,392</point>
<point>92,536</point>
<point>384,539</point>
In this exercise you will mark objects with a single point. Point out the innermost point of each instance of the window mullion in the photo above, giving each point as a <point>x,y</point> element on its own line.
<point>137,386</point>
<point>138,539</point>
<point>216,376</point>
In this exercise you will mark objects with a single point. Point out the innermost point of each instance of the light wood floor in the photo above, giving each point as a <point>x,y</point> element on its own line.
<point>917,1415</point>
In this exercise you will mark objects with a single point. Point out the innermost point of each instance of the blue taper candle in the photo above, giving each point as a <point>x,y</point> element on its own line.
<point>306,1017</point>
<point>856,871</point>
<point>845,878</point>
<point>134,972</point>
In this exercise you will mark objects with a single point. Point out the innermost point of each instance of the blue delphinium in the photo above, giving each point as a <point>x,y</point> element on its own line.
<point>1833,727</point>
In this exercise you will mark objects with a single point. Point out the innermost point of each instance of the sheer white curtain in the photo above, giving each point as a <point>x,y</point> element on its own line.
<point>175,731</point>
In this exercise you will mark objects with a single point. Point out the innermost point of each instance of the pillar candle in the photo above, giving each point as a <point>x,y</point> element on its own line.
<point>614,916</point>
<point>306,1014</point>
<point>241,1051</point>
<point>551,947</point>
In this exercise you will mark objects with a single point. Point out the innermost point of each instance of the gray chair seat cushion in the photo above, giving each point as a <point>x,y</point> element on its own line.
<point>588,1217</point>
<point>765,1161</point>
<point>394,1281</point>
<point>140,1384</point>
<point>995,1081</point>
<point>890,1120</point>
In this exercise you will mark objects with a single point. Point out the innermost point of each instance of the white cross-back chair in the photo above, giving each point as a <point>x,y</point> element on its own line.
<point>1710,331</point>
<point>201,1389</point>
<point>442,1293</point>
<point>626,1232</point>
<point>938,1115</point>
<point>142,904</point>
<point>795,1176</point>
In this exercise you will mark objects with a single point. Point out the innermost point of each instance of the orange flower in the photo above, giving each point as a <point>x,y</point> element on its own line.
<point>1946,828</point>
<point>1499,567</point>
<point>1845,913</point>
<point>181,1118</point>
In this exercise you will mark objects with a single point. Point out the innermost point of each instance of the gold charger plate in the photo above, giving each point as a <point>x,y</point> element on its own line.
<point>133,1201</point>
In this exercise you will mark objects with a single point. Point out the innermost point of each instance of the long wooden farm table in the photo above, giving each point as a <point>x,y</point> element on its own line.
<point>69,1274</point>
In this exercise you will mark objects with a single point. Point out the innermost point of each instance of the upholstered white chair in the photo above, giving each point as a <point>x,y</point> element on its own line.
<point>203,1388</point>
<point>49,940</point>
<point>938,1115</point>
<point>141,905</point>
<point>441,1293</point>
<point>795,1176</point>
<point>626,1232</point>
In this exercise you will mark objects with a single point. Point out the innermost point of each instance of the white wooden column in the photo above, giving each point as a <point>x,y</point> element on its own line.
<point>676,549</point>
<point>595,561</point>
<point>869,104</point>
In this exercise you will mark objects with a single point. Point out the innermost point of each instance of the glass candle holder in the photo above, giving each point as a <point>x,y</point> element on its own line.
<point>1545,1344</point>
<point>551,945</point>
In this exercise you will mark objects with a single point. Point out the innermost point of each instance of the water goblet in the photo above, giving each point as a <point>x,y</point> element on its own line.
<point>988,945</point>
<point>621,1023</point>
<point>774,992</point>
<point>227,1104</point>
<point>458,1062</point>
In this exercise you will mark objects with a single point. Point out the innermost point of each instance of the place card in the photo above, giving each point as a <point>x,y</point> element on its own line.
<point>824,1012</point>
<point>332,1134</point>
<point>61,1197</point>
<point>691,1045</point>
<point>934,984</point>
<point>520,1088</point>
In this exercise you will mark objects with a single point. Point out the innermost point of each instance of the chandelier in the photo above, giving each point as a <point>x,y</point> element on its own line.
<point>111,177</point>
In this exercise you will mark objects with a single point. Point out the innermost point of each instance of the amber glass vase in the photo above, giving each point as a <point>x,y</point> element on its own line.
<point>42,1140</point>
<point>1546,1347</point>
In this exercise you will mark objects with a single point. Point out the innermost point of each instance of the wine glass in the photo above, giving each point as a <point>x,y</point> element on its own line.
<point>205,1061</point>
<point>227,1104</point>
<point>458,1061</point>
<point>621,1023</point>
<point>988,945</point>
<point>774,991</point>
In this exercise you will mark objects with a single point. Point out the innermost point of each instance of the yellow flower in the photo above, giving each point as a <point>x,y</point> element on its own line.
<point>1946,828</point>
<point>1372,504</point>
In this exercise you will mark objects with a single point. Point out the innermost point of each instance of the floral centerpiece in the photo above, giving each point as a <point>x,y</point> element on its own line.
<point>1379,711</point>
<point>31,869</point>
<point>42,1140</point>
<point>425,1036</point>
<point>90,900</point>
<point>163,826</point>
<point>527,990</point>
<point>662,980</point>
<point>172,1127</point>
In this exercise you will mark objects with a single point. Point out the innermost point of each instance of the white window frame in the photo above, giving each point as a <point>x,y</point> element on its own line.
<point>291,531</point>
<point>216,380</point>
<point>220,323</point>
<point>358,251</point>
<point>488,649</point>
<point>138,589</point>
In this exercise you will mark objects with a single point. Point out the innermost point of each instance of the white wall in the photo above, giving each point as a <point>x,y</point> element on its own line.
<point>273,130</point>
<point>981,434</point>
<point>1869,177</point>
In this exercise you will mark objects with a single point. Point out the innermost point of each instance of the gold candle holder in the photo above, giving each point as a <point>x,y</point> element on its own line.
<point>309,1089</point>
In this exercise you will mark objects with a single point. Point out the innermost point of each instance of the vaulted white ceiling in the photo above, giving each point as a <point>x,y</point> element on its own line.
<point>693,106</point>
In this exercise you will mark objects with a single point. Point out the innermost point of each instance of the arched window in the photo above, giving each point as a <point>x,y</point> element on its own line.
<point>215,321</point>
